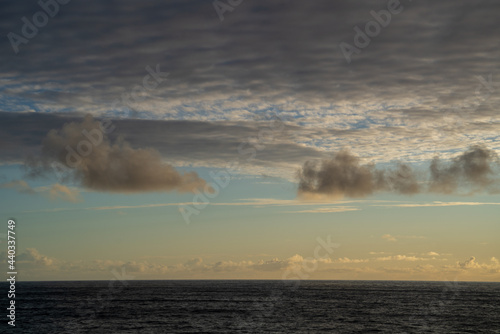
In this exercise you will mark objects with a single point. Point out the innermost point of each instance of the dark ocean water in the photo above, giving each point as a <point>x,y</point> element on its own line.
<point>255,307</point>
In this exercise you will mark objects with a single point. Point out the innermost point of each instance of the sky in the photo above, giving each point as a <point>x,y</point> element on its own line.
<point>352,140</point>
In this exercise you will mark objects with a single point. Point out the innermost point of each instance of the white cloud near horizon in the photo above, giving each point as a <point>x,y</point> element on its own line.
<point>34,263</point>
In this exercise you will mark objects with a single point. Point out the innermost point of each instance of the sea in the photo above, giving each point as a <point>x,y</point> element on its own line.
<point>254,306</point>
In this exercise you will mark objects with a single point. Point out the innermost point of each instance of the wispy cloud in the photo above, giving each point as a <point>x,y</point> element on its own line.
<point>401,258</point>
<point>55,191</point>
<point>390,237</point>
<point>251,202</point>
<point>20,186</point>
<point>348,260</point>
<point>327,210</point>
<point>435,204</point>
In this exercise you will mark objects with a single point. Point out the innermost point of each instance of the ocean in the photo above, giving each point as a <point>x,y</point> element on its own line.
<point>255,307</point>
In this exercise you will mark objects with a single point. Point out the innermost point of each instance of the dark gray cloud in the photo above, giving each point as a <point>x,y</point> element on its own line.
<point>83,150</point>
<point>344,175</point>
<point>475,170</point>
<point>341,175</point>
<point>201,143</point>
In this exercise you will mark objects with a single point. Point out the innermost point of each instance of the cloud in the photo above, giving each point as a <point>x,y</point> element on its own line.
<point>184,143</point>
<point>142,267</point>
<point>435,204</point>
<point>214,144</point>
<point>337,177</point>
<point>38,265</point>
<point>222,61</point>
<point>400,258</point>
<point>468,264</point>
<point>54,192</point>
<point>194,262</point>
<point>389,237</point>
<point>327,210</point>
<point>295,261</point>
<point>471,264</point>
<point>59,191</point>
<point>473,168</point>
<point>32,258</point>
<point>20,186</point>
<point>102,166</point>
<point>250,202</point>
<point>82,267</point>
<point>257,60</point>
<point>226,266</point>
<point>271,265</point>
<point>348,260</point>
<point>344,175</point>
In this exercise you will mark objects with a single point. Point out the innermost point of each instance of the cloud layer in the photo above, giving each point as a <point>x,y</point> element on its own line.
<point>429,265</point>
<point>437,90</point>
